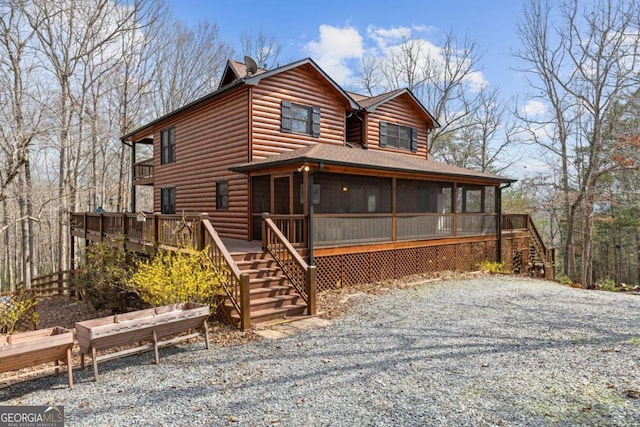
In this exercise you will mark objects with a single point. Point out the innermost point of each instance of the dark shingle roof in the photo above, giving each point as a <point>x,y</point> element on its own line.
<point>366,159</point>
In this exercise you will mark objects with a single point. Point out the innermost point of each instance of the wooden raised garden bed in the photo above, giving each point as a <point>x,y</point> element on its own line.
<point>34,348</point>
<point>144,329</point>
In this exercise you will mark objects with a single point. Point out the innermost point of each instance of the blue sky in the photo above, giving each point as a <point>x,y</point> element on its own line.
<point>336,33</point>
<point>305,29</point>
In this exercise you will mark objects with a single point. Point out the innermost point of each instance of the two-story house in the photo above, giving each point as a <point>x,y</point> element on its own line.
<point>346,178</point>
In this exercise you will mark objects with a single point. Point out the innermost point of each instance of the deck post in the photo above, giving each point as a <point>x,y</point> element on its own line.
<point>265,240</point>
<point>245,303</point>
<point>101,226</point>
<point>156,229</point>
<point>310,283</point>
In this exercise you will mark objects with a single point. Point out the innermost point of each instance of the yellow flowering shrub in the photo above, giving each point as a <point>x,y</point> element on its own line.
<point>172,277</point>
<point>18,311</point>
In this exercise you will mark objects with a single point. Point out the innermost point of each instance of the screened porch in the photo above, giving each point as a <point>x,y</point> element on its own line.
<point>347,209</point>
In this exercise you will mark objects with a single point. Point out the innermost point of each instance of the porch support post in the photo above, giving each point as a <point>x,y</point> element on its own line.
<point>499,207</point>
<point>310,221</point>
<point>133,174</point>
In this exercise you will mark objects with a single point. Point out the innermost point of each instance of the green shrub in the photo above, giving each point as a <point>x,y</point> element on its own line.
<point>564,280</point>
<point>103,278</point>
<point>493,267</point>
<point>172,277</point>
<point>608,284</point>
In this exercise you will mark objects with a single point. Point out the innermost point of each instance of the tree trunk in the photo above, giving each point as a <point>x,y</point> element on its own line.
<point>24,232</point>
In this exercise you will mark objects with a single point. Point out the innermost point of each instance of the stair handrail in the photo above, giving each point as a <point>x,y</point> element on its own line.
<point>301,275</point>
<point>236,284</point>
<point>547,255</point>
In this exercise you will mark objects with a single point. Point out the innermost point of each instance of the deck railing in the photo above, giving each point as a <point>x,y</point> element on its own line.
<point>236,284</point>
<point>139,228</point>
<point>301,275</point>
<point>514,221</point>
<point>345,229</point>
<point>143,170</point>
<point>525,222</point>
<point>476,224</point>
<point>293,227</point>
<point>421,226</point>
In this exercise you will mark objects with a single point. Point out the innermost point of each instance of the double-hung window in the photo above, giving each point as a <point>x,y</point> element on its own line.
<point>398,136</point>
<point>222,195</point>
<point>168,200</point>
<point>300,119</point>
<point>168,145</point>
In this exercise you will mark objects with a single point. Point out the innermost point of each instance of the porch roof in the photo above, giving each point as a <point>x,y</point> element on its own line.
<point>339,155</point>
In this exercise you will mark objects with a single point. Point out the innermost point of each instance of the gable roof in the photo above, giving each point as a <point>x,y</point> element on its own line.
<point>256,78</point>
<point>235,67</point>
<point>370,103</point>
<point>340,155</point>
<point>235,70</point>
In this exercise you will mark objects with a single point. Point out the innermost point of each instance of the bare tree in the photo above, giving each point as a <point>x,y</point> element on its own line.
<point>580,60</point>
<point>369,75</point>
<point>187,63</point>
<point>96,24</point>
<point>264,49</point>
<point>20,120</point>
<point>445,77</point>
<point>484,141</point>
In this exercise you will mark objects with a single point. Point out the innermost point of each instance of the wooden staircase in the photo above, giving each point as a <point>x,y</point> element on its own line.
<point>271,295</point>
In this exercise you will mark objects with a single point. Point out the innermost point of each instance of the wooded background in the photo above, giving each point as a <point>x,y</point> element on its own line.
<point>77,75</point>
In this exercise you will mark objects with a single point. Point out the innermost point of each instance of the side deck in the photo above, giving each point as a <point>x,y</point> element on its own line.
<point>518,244</point>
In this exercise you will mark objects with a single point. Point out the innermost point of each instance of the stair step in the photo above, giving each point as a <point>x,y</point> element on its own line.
<point>271,291</point>
<point>263,272</point>
<point>250,256</point>
<point>257,264</point>
<point>257,304</point>
<point>268,281</point>
<point>260,316</point>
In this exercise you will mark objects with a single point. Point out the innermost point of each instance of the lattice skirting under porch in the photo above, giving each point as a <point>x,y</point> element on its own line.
<point>336,271</point>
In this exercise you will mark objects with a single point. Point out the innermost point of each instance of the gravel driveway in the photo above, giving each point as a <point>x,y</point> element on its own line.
<point>495,350</point>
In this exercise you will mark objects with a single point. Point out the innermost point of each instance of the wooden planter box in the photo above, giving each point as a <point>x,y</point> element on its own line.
<point>35,348</point>
<point>143,329</point>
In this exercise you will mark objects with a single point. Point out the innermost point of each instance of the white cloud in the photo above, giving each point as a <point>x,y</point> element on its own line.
<point>476,81</point>
<point>534,108</point>
<point>335,47</point>
<point>383,37</point>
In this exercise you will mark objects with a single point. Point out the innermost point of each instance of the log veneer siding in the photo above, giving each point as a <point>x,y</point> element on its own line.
<point>300,86</point>
<point>401,111</point>
<point>209,140</point>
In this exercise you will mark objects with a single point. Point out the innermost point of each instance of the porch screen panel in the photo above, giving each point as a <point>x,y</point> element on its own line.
<point>260,202</point>
<point>352,194</point>
<point>476,208</point>
<point>415,196</point>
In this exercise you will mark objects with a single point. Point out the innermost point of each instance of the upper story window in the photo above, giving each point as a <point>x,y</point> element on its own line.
<point>301,119</point>
<point>222,195</point>
<point>398,136</point>
<point>168,200</point>
<point>168,145</point>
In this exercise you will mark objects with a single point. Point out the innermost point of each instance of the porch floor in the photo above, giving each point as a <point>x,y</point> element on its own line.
<point>245,246</point>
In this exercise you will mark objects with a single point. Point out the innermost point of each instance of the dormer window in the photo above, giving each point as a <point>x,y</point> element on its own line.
<point>300,119</point>
<point>398,136</point>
